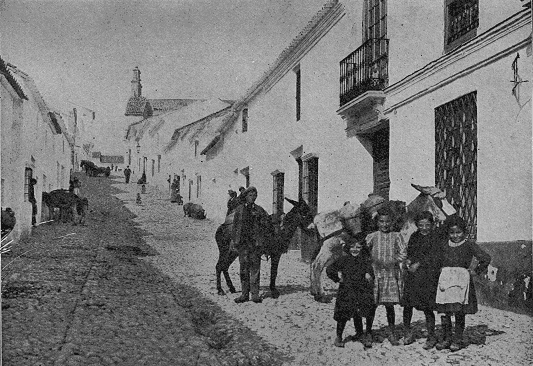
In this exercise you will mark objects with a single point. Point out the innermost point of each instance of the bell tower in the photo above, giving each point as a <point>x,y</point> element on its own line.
<point>136,87</point>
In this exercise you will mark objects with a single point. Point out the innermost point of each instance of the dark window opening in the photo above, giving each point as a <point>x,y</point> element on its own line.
<point>245,120</point>
<point>380,155</point>
<point>298,94</point>
<point>278,193</point>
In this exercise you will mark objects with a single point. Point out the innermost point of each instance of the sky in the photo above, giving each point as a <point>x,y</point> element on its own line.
<point>82,52</point>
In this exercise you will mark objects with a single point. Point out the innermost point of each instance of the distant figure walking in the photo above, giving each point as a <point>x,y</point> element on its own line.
<point>127,173</point>
<point>174,190</point>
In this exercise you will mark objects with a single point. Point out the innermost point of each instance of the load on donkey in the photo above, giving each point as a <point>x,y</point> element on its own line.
<point>333,227</point>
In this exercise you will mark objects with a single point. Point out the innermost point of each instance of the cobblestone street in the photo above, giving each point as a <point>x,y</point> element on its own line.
<point>116,293</point>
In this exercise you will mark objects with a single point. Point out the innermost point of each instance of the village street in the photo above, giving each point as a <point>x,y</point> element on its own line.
<point>111,293</point>
<point>295,323</point>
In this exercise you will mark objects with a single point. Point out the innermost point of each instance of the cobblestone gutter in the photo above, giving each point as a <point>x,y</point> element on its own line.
<point>80,295</point>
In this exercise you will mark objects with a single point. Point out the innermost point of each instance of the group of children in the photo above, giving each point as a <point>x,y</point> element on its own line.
<point>430,273</point>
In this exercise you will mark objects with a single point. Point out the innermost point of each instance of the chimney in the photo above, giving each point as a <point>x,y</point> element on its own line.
<point>136,82</point>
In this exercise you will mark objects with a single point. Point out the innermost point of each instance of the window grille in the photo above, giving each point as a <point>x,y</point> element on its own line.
<point>278,193</point>
<point>462,20</point>
<point>375,20</point>
<point>456,156</point>
<point>28,174</point>
<point>245,120</point>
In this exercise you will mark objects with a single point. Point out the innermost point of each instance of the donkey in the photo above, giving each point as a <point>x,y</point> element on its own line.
<point>333,226</point>
<point>299,216</point>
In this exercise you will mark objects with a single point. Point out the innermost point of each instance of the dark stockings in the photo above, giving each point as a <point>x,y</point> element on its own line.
<point>407,316</point>
<point>357,323</point>
<point>430,322</point>
<point>340,328</point>
<point>390,314</point>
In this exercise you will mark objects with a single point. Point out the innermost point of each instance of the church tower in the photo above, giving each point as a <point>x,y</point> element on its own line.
<point>138,105</point>
<point>136,87</point>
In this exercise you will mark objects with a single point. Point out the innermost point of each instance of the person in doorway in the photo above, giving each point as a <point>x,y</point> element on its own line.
<point>33,201</point>
<point>251,227</point>
<point>75,186</point>
<point>127,174</point>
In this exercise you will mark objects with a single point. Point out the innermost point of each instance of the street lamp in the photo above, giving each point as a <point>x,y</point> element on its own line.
<point>138,147</point>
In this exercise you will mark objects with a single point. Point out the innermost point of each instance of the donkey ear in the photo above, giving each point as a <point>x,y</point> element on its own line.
<point>294,203</point>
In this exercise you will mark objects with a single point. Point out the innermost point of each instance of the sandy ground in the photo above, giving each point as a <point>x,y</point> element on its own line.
<point>295,323</point>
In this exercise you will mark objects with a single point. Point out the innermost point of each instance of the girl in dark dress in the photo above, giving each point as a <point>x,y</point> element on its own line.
<point>422,277</point>
<point>355,297</point>
<point>457,253</point>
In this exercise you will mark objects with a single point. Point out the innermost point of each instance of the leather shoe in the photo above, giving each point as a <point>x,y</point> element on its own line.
<point>241,299</point>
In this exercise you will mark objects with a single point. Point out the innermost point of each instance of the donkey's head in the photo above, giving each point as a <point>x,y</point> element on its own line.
<point>300,215</point>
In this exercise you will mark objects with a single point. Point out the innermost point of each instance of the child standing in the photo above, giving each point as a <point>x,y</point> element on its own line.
<point>456,294</point>
<point>355,298</point>
<point>422,277</point>
<point>388,252</point>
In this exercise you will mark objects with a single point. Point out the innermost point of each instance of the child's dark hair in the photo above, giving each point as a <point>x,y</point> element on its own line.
<point>358,238</point>
<point>424,215</point>
<point>456,220</point>
<point>385,211</point>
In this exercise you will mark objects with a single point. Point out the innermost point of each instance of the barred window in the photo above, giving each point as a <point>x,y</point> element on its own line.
<point>456,156</point>
<point>461,20</point>
<point>278,193</point>
<point>28,174</point>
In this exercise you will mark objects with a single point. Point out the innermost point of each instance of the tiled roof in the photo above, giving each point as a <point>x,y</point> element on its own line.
<point>136,106</point>
<point>112,159</point>
<point>203,129</point>
<point>271,72</point>
<point>11,80</point>
<point>55,122</point>
<point>29,84</point>
<point>164,105</point>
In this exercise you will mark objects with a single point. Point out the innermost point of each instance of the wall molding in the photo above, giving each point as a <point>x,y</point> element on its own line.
<point>500,30</point>
<point>502,54</point>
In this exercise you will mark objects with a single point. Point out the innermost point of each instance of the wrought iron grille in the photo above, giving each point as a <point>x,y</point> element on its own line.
<point>367,68</point>
<point>456,156</point>
<point>463,16</point>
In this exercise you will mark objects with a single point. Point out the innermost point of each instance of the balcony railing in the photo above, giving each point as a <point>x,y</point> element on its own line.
<point>367,68</point>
